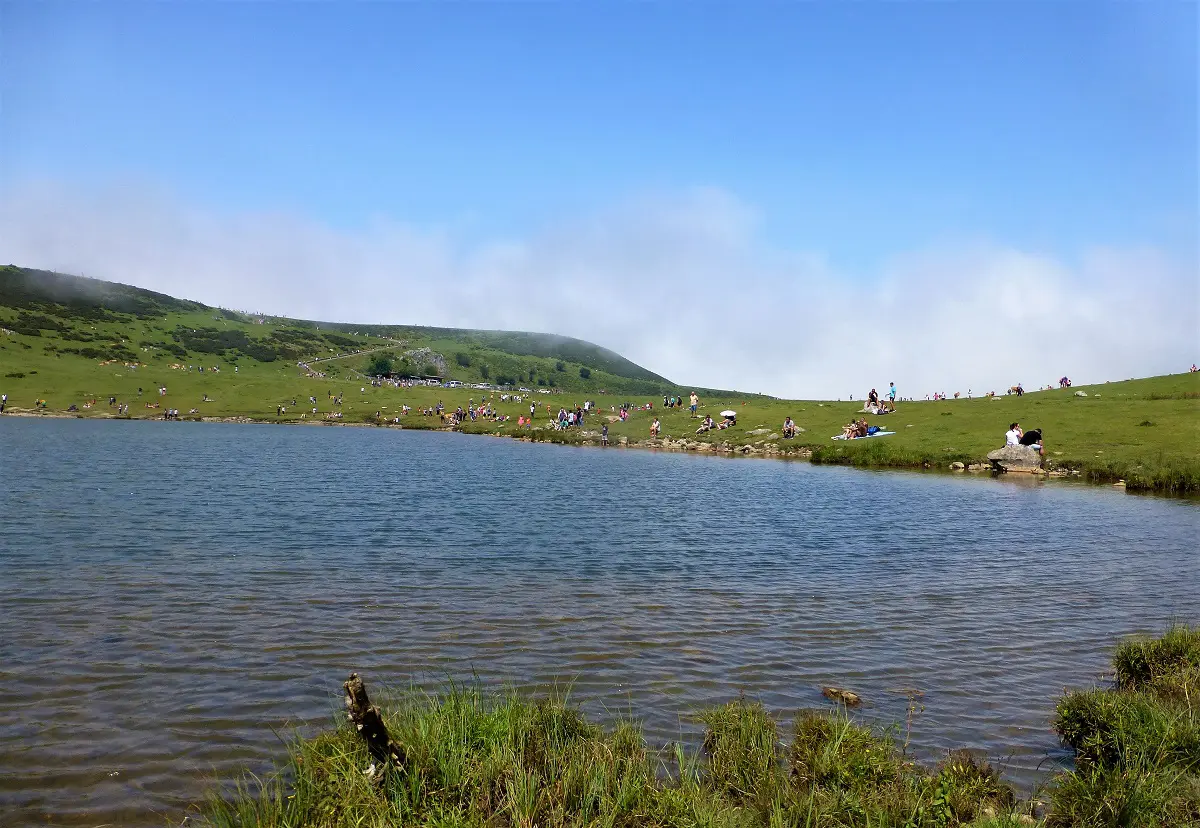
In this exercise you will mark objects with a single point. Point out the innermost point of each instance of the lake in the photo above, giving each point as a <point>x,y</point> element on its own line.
<point>175,597</point>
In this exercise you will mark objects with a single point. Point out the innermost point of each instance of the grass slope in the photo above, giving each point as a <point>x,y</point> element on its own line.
<point>131,324</point>
<point>1146,431</point>
<point>475,759</point>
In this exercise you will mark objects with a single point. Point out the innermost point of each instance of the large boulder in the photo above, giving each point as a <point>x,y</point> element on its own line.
<point>1016,458</point>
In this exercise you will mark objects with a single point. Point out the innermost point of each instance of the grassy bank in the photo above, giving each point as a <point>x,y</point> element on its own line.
<point>474,759</point>
<point>70,351</point>
<point>1145,432</point>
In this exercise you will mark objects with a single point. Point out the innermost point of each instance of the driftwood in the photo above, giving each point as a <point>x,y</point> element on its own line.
<point>369,722</point>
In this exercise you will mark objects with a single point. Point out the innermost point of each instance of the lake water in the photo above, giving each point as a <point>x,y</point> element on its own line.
<point>173,595</point>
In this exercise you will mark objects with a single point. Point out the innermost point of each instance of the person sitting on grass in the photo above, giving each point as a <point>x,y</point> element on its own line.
<point>855,429</point>
<point>654,427</point>
<point>707,425</point>
<point>789,428</point>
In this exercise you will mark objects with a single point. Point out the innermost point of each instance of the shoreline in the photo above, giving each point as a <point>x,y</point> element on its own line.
<point>761,449</point>
<point>419,755</point>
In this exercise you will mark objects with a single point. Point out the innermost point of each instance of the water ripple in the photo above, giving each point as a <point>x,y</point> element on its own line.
<point>176,595</point>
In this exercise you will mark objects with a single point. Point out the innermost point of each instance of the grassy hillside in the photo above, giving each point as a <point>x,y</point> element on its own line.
<point>70,316</point>
<point>67,352</point>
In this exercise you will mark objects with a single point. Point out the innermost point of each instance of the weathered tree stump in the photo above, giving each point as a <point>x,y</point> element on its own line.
<point>369,722</point>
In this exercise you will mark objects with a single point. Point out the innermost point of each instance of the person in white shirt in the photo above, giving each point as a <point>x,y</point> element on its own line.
<point>1012,437</point>
<point>1015,436</point>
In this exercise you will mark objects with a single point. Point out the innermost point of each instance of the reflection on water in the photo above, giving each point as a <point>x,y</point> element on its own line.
<point>174,594</point>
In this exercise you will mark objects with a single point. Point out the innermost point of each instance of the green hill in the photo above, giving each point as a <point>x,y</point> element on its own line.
<point>72,317</point>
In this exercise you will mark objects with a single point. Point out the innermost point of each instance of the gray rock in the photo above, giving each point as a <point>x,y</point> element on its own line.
<point>1080,393</point>
<point>1016,458</point>
<point>841,695</point>
<point>958,466</point>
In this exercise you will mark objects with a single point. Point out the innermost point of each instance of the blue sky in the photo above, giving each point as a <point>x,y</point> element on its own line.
<point>853,133</point>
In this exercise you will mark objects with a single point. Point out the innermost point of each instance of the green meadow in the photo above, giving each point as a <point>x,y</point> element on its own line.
<point>77,348</point>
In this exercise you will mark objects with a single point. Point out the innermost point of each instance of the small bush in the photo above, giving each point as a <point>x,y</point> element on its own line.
<point>1143,663</point>
<point>1137,745</point>
<point>585,373</point>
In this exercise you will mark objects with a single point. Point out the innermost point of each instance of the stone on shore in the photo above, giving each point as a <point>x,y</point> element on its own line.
<point>1016,459</point>
<point>845,697</point>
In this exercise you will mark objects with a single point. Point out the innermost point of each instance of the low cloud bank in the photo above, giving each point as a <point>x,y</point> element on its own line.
<point>684,285</point>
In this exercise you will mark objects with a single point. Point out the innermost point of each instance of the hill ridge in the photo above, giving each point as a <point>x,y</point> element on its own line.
<point>37,293</point>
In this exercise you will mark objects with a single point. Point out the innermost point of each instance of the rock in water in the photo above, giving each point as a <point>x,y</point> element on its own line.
<point>1016,458</point>
<point>845,697</point>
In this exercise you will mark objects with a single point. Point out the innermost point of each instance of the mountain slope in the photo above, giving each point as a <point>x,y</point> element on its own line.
<point>126,323</point>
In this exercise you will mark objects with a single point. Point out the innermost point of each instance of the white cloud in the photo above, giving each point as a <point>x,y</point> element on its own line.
<point>683,284</point>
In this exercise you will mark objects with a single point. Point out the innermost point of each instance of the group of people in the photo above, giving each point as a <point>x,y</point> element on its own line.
<point>568,418</point>
<point>677,402</point>
<point>856,429</point>
<point>1016,436</point>
<point>709,424</point>
<point>881,405</point>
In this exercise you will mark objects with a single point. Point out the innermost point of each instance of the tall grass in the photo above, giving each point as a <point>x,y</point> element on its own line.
<point>479,759</point>
<point>1137,744</point>
<point>475,759</point>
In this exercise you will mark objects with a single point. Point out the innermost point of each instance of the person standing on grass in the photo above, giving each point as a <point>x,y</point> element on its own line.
<point>694,400</point>
<point>604,435</point>
<point>892,394</point>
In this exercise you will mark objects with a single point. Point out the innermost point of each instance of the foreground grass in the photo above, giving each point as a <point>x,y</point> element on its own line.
<point>477,759</point>
<point>1137,744</point>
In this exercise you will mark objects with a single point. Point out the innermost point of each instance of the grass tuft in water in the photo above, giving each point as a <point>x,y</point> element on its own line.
<point>1137,744</point>
<point>478,759</point>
